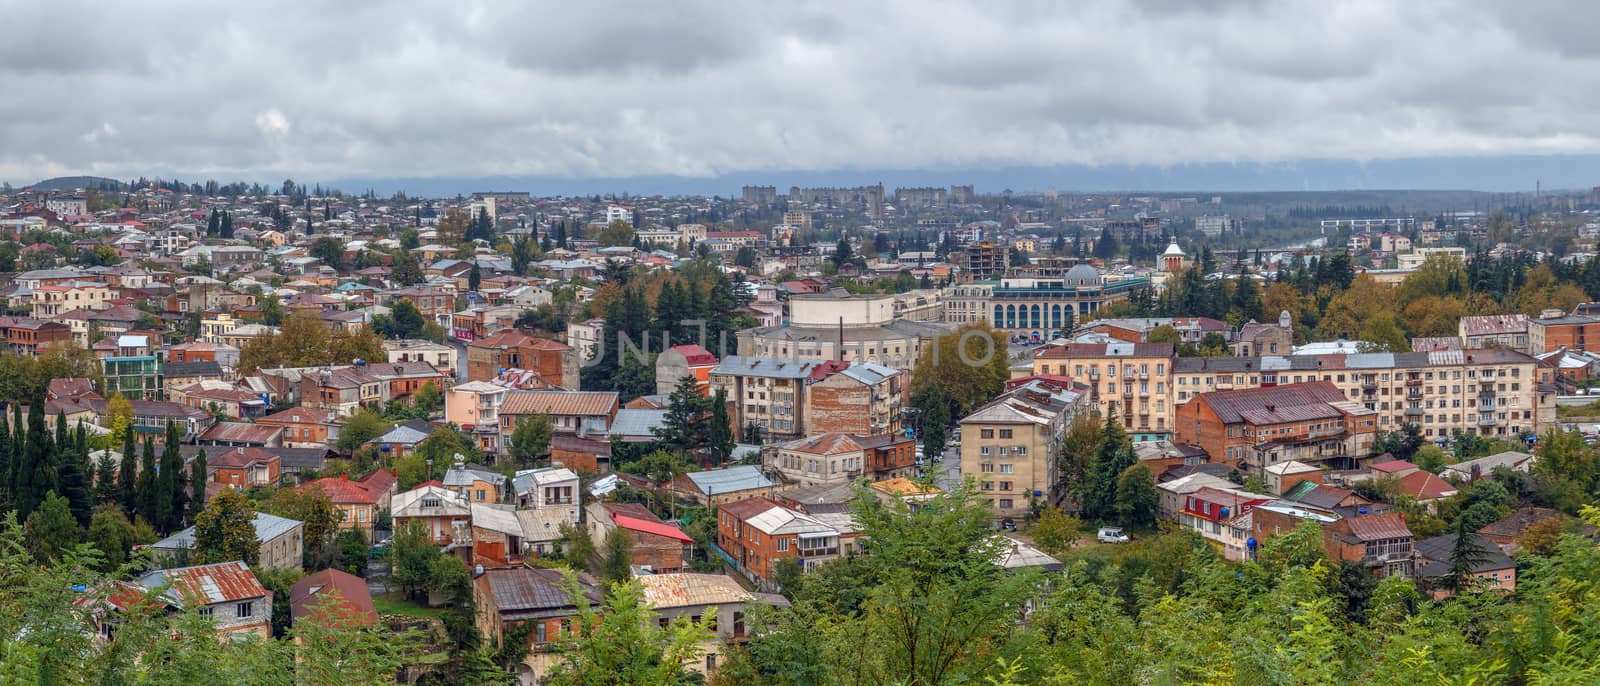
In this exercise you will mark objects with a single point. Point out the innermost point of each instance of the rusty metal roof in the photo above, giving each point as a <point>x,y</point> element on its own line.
<point>205,584</point>
<point>686,589</point>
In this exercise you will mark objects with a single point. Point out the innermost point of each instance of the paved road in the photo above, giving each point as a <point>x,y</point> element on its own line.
<point>461,358</point>
<point>947,471</point>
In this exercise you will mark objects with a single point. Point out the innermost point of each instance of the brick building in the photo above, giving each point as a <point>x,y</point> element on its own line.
<point>863,399</point>
<point>1259,427</point>
<point>556,362</point>
<point>655,544</point>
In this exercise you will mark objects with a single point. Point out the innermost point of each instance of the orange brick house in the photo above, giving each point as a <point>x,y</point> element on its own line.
<point>1258,427</point>
<point>304,427</point>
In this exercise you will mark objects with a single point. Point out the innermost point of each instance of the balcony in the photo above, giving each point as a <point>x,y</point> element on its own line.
<point>1325,433</point>
<point>1413,411</point>
<point>1127,391</point>
<point>1414,381</point>
<point>1369,384</point>
<point>1414,393</point>
<point>1486,407</point>
<point>1486,420</point>
<point>819,552</point>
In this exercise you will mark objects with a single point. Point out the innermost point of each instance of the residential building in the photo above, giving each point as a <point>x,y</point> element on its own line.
<point>1010,444</point>
<point>28,336</point>
<point>824,459</point>
<point>1509,331</point>
<point>132,366</point>
<point>474,406</point>
<point>1382,542</point>
<point>582,337</point>
<point>227,593</point>
<point>718,487</point>
<point>1547,333</point>
<point>681,361</point>
<point>572,412</point>
<point>756,533</point>
<point>1492,570</point>
<point>1129,381</point>
<point>769,392</point>
<point>1477,392</point>
<point>282,542</point>
<point>442,357</point>
<point>243,468</point>
<point>863,399</point>
<point>716,599</point>
<point>333,591</point>
<point>512,349</point>
<point>475,483</point>
<point>656,546</point>
<point>358,501</point>
<point>304,427</point>
<point>1257,428</point>
<point>507,597</point>
<point>445,514</point>
<point>549,489</point>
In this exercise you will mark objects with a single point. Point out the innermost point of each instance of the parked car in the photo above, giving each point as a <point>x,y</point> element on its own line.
<point>1111,534</point>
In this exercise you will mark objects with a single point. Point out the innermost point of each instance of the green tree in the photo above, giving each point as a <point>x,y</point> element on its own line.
<point>684,426</point>
<point>622,643</point>
<point>615,556</point>
<point>719,430</point>
<point>318,516</point>
<point>147,485</point>
<point>1137,500</point>
<point>1055,532</point>
<point>1467,553</point>
<point>113,535</point>
<point>1112,457</point>
<point>935,417</point>
<point>226,531</point>
<point>617,233</point>
<point>335,646</point>
<point>52,529</point>
<point>970,367</point>
<point>531,438</point>
<point>328,250</point>
<point>359,428</point>
<point>428,399</point>
<point>197,486</point>
<point>412,558</point>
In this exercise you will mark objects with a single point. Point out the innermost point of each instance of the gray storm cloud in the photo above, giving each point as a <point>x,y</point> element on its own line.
<point>615,89</point>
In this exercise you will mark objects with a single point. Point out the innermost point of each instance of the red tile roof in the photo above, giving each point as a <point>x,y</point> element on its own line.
<point>696,355</point>
<point>343,491</point>
<point>653,528</point>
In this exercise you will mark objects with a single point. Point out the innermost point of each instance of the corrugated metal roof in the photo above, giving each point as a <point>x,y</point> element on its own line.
<point>205,584</point>
<point>663,591</point>
<point>267,526</point>
<point>740,478</point>
<point>637,422</point>
<point>571,403</point>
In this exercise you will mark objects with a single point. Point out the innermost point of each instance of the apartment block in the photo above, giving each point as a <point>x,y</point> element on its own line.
<point>1010,444</point>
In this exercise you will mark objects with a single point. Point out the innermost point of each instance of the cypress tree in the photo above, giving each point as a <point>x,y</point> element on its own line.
<point>127,475</point>
<point>7,463</point>
<point>173,495</point>
<point>197,485</point>
<point>145,487</point>
<point>34,477</point>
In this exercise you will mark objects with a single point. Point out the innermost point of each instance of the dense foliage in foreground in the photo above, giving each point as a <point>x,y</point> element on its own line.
<point>924,606</point>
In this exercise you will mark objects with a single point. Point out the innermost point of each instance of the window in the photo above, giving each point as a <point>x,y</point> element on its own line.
<point>1005,433</point>
<point>986,433</point>
<point>783,545</point>
<point>244,609</point>
<point>987,468</point>
<point>207,611</point>
<point>1005,469</point>
<point>1005,485</point>
<point>1005,503</point>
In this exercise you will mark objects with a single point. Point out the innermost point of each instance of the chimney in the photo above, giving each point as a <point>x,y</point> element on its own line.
<point>838,351</point>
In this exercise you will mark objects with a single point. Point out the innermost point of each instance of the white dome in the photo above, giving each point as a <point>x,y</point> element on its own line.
<point>1173,250</point>
<point>1083,275</point>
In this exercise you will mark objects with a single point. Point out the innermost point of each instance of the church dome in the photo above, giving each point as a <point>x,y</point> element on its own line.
<point>1173,250</point>
<point>1083,275</point>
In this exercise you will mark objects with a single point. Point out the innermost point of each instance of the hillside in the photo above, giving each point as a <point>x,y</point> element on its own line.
<point>67,183</point>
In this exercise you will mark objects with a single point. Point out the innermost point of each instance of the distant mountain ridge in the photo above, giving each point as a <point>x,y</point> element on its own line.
<point>70,183</point>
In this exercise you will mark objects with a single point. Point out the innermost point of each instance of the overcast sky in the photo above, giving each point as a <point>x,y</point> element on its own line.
<point>617,89</point>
